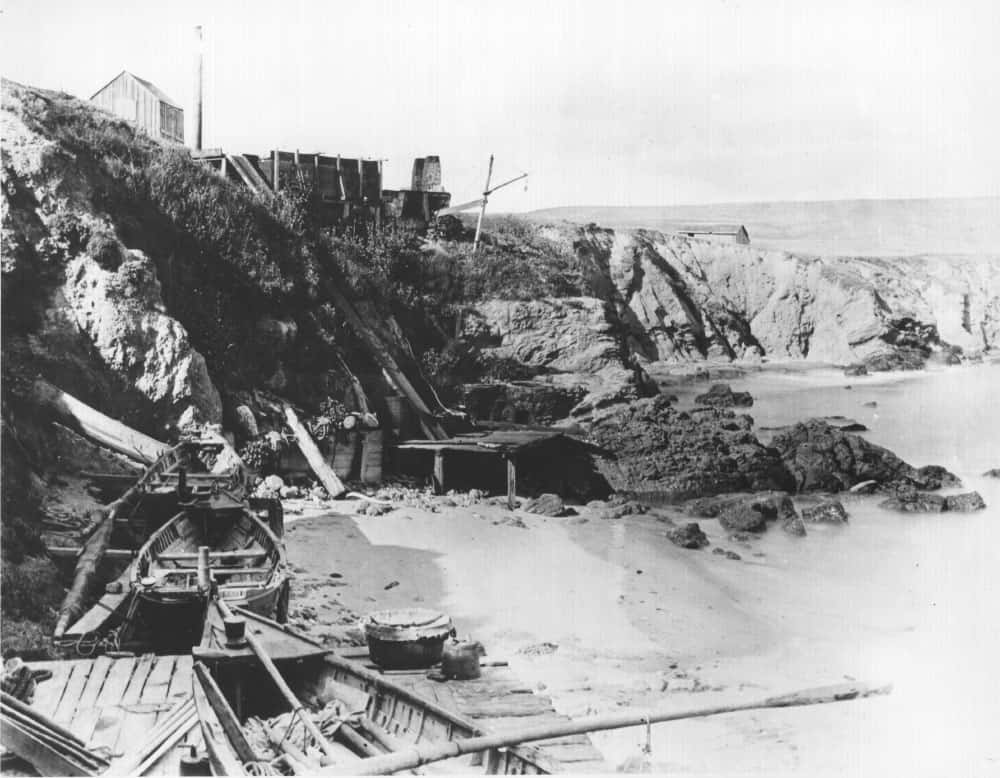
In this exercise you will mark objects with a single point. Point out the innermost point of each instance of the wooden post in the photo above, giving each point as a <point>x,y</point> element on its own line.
<point>333,485</point>
<point>482,210</point>
<point>275,171</point>
<point>511,482</point>
<point>361,181</point>
<point>438,477</point>
<point>204,581</point>
<point>198,91</point>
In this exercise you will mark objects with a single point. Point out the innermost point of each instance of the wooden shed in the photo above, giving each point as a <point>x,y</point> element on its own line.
<point>737,233</point>
<point>142,102</point>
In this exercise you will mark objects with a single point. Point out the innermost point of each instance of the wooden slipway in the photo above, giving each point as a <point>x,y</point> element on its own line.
<point>116,703</point>
<point>499,702</point>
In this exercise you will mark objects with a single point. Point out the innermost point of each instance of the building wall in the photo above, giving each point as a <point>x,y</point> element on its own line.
<point>129,99</point>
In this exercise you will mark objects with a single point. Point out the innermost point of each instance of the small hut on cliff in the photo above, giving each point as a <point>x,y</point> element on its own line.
<point>142,102</point>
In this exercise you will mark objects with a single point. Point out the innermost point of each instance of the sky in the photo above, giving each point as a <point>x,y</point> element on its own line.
<point>602,103</point>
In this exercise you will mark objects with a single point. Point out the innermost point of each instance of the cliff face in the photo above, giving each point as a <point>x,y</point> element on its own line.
<point>676,299</point>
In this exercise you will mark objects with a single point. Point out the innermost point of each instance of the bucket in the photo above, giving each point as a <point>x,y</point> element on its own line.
<point>407,638</point>
<point>460,659</point>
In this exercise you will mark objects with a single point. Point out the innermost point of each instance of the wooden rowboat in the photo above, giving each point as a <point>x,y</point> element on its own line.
<point>233,553</point>
<point>374,716</point>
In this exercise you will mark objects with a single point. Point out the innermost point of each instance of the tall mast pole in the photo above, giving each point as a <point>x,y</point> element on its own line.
<point>482,209</point>
<point>197,89</point>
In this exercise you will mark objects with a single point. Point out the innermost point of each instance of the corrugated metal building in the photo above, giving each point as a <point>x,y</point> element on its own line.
<point>138,100</point>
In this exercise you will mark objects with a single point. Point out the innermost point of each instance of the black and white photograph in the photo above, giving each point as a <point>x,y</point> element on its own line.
<point>467,387</point>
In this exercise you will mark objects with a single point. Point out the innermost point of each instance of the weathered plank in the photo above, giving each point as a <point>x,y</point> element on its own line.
<point>49,693</point>
<point>134,724</point>
<point>71,695</point>
<point>109,722</point>
<point>88,711</point>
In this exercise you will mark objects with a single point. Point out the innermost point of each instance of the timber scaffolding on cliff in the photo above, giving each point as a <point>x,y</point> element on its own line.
<point>349,190</point>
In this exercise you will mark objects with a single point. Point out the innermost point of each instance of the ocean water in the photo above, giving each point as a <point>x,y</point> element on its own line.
<point>913,600</point>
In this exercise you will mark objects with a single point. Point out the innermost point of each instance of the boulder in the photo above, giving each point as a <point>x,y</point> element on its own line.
<point>609,510</point>
<point>793,526</point>
<point>827,512</point>
<point>855,370</point>
<point>915,502</point>
<point>722,396</point>
<point>688,535</point>
<point>752,514</point>
<point>994,473</point>
<point>964,503</point>
<point>545,505</point>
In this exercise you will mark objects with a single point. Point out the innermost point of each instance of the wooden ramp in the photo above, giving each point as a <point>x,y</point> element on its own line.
<point>500,702</point>
<point>116,703</point>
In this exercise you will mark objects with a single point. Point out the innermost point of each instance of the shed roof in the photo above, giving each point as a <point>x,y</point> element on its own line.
<point>157,92</point>
<point>500,441</point>
<point>711,229</point>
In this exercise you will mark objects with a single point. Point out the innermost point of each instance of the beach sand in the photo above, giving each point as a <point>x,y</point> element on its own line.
<point>609,615</point>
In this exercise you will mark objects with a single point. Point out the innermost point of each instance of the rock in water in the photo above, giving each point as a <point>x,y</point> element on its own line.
<point>793,526</point>
<point>689,535</point>
<point>722,396</point>
<point>752,514</point>
<point>654,447</point>
<point>827,512</point>
<point>822,458</point>
<point>965,503</point>
<point>994,473</point>
<point>545,505</point>
<point>915,502</point>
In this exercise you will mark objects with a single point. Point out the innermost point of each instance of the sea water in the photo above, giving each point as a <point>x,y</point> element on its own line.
<point>912,600</point>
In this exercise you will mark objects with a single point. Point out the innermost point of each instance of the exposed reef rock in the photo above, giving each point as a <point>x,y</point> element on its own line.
<point>656,448</point>
<point>723,396</point>
<point>689,535</point>
<point>821,458</point>
<point>965,503</point>
<point>827,512</point>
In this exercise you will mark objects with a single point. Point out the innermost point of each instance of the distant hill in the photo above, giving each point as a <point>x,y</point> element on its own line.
<point>836,227</point>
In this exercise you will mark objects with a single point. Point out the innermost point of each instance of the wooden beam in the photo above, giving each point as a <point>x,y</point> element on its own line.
<point>438,477</point>
<point>511,482</point>
<point>333,485</point>
<point>92,424</point>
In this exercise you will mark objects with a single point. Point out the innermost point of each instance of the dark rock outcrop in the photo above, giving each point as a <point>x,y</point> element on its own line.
<point>679,455</point>
<point>723,396</point>
<point>965,503</point>
<point>915,502</point>
<point>689,535</point>
<point>822,458</point>
<point>742,513</point>
<point>827,512</point>
<point>994,473</point>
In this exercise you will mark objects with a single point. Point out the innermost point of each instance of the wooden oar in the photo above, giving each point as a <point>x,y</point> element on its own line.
<point>436,752</point>
<point>262,655</point>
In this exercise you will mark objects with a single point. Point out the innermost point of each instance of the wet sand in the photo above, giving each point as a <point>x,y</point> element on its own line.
<point>639,622</point>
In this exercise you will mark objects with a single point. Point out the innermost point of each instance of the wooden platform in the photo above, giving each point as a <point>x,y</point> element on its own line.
<point>115,703</point>
<point>499,702</point>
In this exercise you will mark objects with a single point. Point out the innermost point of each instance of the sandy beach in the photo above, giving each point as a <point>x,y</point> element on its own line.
<point>607,614</point>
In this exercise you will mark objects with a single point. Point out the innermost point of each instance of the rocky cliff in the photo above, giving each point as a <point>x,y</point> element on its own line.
<point>669,298</point>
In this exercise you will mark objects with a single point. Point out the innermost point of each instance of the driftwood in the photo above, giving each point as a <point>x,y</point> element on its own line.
<point>93,424</point>
<point>333,485</point>
<point>436,752</point>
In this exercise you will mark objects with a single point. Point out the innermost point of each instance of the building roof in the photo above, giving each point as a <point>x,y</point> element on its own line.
<point>157,92</point>
<point>711,229</point>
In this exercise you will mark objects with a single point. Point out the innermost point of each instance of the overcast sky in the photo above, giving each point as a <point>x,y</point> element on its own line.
<point>610,103</point>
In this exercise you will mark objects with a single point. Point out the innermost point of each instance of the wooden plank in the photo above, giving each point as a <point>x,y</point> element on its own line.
<point>333,485</point>
<point>438,477</point>
<point>180,681</point>
<point>157,685</point>
<point>134,724</point>
<point>49,693</point>
<point>87,711</point>
<point>109,723</point>
<point>71,695</point>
